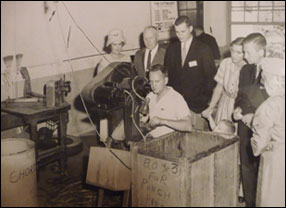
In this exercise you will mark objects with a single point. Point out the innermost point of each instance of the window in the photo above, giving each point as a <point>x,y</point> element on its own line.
<point>256,16</point>
<point>192,9</point>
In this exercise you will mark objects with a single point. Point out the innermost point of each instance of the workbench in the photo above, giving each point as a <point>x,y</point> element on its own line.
<point>31,114</point>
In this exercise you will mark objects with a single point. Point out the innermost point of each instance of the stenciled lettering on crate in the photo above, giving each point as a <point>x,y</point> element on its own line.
<point>157,181</point>
<point>192,169</point>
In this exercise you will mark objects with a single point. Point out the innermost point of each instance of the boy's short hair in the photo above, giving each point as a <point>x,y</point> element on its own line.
<point>159,67</point>
<point>257,38</point>
<point>183,19</point>
<point>237,41</point>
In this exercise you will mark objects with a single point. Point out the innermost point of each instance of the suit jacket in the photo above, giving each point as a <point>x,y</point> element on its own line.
<point>139,60</point>
<point>195,80</point>
<point>211,42</point>
<point>251,92</point>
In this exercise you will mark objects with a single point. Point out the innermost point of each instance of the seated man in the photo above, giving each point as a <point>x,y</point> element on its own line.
<point>168,110</point>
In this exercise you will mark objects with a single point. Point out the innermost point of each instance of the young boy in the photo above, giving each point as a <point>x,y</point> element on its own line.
<point>224,127</point>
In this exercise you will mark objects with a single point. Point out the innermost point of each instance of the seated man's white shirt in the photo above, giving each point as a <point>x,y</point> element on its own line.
<point>171,106</point>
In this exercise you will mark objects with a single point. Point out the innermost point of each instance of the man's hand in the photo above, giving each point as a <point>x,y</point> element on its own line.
<point>247,119</point>
<point>237,114</point>
<point>207,112</point>
<point>155,122</point>
<point>254,146</point>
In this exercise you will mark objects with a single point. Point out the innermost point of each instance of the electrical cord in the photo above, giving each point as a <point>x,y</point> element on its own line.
<point>133,88</point>
<point>77,85</point>
<point>132,116</point>
<point>84,32</point>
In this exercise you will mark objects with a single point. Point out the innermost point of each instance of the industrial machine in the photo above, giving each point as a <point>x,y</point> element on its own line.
<point>55,91</point>
<point>118,86</point>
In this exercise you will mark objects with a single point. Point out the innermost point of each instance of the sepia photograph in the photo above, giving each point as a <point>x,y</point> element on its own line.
<point>142,103</point>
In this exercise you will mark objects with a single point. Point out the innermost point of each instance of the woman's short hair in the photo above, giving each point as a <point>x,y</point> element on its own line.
<point>159,67</point>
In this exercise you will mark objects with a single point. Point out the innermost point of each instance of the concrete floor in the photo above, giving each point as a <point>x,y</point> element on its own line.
<point>70,190</point>
<point>56,190</point>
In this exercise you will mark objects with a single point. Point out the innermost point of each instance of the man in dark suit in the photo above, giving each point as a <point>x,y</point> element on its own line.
<point>151,55</point>
<point>207,39</point>
<point>250,95</point>
<point>191,69</point>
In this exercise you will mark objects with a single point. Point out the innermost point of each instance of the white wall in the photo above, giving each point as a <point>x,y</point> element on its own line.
<point>25,28</point>
<point>216,16</point>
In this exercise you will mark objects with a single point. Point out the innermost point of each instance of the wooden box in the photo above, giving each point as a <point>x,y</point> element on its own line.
<point>185,169</point>
<point>106,171</point>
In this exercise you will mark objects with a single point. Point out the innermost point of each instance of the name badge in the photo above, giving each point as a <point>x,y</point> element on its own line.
<point>193,63</point>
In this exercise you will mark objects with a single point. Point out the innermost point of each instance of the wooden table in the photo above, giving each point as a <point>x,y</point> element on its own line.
<point>19,114</point>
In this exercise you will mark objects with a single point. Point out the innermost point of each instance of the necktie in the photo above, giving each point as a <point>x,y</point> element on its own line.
<point>184,53</point>
<point>148,61</point>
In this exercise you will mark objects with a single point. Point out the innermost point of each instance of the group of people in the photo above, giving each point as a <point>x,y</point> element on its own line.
<point>247,90</point>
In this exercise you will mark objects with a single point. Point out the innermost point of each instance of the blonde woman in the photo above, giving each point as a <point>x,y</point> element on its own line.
<point>227,79</point>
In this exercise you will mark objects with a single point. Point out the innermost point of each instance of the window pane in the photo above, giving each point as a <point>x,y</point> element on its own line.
<point>251,8</point>
<point>191,5</point>
<point>265,16</point>
<point>251,3</point>
<point>244,30</point>
<point>251,16</point>
<point>193,16</point>
<point>279,16</point>
<point>237,16</point>
<point>265,8</point>
<point>237,3</point>
<point>279,3</point>
<point>237,9</point>
<point>184,12</point>
<point>182,5</point>
<point>265,3</point>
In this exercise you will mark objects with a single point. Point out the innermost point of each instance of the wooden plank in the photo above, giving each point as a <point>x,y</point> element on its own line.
<point>9,121</point>
<point>106,171</point>
<point>134,177</point>
<point>32,110</point>
<point>201,190</point>
<point>226,176</point>
<point>100,197</point>
<point>125,200</point>
<point>158,182</point>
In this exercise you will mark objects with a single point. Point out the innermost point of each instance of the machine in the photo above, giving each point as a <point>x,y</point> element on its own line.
<point>118,86</point>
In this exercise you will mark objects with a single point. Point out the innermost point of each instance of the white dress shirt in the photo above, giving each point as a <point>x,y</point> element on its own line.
<point>187,45</point>
<point>153,53</point>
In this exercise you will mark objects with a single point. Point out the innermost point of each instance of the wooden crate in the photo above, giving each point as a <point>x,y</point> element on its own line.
<point>106,171</point>
<point>185,169</point>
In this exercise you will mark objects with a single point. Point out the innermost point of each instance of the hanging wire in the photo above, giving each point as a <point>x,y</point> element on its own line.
<point>133,88</point>
<point>84,32</point>
<point>77,85</point>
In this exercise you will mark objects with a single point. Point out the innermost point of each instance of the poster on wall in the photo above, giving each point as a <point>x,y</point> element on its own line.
<point>163,16</point>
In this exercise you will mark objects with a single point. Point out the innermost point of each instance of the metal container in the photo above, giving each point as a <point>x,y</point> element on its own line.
<point>18,173</point>
<point>185,169</point>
